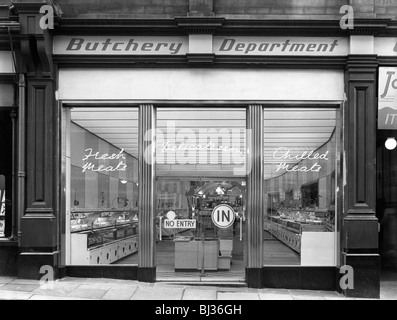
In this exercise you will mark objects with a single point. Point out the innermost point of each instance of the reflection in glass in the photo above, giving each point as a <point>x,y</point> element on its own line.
<point>103,186</point>
<point>201,157</point>
<point>3,203</point>
<point>299,183</point>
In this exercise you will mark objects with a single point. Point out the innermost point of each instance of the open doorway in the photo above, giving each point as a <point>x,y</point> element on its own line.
<point>201,188</point>
<point>387,206</point>
<point>201,230</point>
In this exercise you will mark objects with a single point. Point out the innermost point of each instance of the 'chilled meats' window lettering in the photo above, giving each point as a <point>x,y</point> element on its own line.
<point>284,154</point>
<point>91,156</point>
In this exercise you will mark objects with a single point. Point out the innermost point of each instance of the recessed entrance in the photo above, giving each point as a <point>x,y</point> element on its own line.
<point>201,194</point>
<point>201,231</point>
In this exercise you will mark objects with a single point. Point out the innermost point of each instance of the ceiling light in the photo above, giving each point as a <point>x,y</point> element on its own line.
<point>219,191</point>
<point>391,144</point>
<point>124,181</point>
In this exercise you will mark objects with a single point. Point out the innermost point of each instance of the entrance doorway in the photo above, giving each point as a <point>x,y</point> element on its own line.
<point>387,204</point>
<point>201,230</point>
<point>201,194</point>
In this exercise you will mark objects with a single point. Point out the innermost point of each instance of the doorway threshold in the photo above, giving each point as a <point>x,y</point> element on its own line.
<point>201,280</point>
<point>208,283</point>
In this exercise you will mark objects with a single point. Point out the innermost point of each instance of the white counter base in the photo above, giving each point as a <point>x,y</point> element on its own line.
<point>102,255</point>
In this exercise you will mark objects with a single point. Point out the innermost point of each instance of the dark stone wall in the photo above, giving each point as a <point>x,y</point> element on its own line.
<point>8,261</point>
<point>123,8</point>
<point>265,9</point>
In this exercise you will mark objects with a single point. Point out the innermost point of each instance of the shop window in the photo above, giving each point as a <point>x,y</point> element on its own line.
<point>301,163</point>
<point>5,175</point>
<point>102,185</point>
<point>3,202</point>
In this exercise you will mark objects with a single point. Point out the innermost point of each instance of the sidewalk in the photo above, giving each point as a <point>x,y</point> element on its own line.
<point>108,289</point>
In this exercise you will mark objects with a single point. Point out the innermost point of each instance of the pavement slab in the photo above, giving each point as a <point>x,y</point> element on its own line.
<point>158,293</point>
<point>19,287</point>
<point>99,286</point>
<point>196,294</point>
<point>108,289</point>
<point>14,295</point>
<point>5,280</point>
<point>235,296</point>
<point>88,293</point>
<point>120,293</point>
<point>275,296</point>
<point>338,298</point>
<point>307,295</point>
<point>23,281</point>
<point>102,281</point>
<point>53,298</point>
<point>58,290</point>
<point>232,289</point>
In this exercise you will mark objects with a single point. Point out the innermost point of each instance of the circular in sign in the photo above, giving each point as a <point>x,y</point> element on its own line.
<point>223,216</point>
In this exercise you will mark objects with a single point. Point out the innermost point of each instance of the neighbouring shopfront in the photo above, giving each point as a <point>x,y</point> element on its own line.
<point>8,145</point>
<point>198,151</point>
<point>386,160</point>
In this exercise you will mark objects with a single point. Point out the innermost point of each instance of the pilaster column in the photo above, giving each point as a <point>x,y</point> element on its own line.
<point>360,225</point>
<point>255,162</point>
<point>147,194</point>
<point>39,223</point>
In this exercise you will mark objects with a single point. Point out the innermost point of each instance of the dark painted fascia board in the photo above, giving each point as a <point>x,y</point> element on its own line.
<point>221,26</point>
<point>92,61</point>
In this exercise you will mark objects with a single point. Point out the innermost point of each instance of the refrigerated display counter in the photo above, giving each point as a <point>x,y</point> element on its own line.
<point>103,237</point>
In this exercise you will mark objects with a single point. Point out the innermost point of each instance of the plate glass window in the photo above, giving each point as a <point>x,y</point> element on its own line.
<point>6,175</point>
<point>102,186</point>
<point>300,183</point>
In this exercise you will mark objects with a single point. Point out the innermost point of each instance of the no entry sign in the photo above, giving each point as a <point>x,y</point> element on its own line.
<point>223,216</point>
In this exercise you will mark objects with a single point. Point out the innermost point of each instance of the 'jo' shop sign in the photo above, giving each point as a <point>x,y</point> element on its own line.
<point>181,45</point>
<point>387,114</point>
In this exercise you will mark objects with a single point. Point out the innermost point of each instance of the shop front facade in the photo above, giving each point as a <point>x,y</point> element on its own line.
<point>195,150</point>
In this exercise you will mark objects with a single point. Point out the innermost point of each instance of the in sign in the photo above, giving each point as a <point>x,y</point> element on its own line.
<point>223,216</point>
